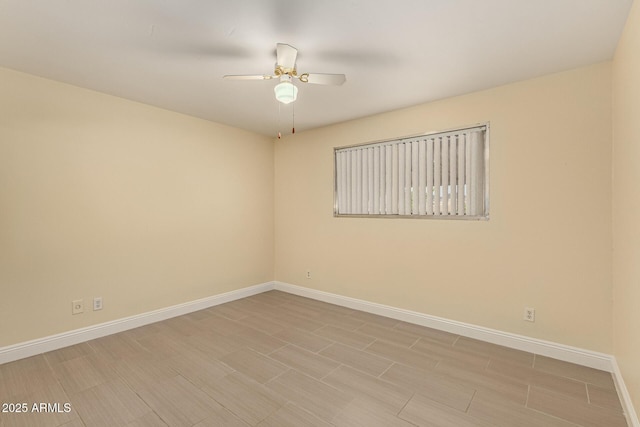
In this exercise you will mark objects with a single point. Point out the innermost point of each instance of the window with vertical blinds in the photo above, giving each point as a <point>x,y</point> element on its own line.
<point>438,175</point>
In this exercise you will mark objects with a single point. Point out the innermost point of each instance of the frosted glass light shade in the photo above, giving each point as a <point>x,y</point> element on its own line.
<point>286,92</point>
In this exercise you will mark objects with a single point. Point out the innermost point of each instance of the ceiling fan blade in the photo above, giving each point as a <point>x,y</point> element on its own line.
<point>249,77</point>
<point>323,79</point>
<point>286,56</point>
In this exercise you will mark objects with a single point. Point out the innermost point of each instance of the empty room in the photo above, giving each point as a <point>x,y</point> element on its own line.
<point>320,213</point>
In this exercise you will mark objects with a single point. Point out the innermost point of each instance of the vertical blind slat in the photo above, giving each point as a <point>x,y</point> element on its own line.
<point>477,172</point>
<point>348,172</point>
<point>354,183</point>
<point>407,179</point>
<point>462,142</point>
<point>371,184</point>
<point>389,181</point>
<point>436,176</point>
<point>467,174</point>
<point>376,180</point>
<point>383,179</point>
<point>414,178</point>
<point>429,188</point>
<point>422,176</point>
<point>394,179</point>
<point>401,185</point>
<point>365,180</point>
<point>453,174</point>
<point>444,150</point>
<point>346,186</point>
<point>339,181</point>
<point>358,154</point>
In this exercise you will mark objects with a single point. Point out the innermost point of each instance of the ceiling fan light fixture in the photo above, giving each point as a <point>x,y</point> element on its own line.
<point>286,92</point>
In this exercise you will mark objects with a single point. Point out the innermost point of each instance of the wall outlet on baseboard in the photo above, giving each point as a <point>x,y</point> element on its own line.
<point>97,303</point>
<point>308,274</point>
<point>529,314</point>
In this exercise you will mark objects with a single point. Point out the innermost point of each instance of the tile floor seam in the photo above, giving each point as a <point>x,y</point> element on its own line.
<point>555,417</point>
<point>147,403</point>
<point>456,340</point>
<point>405,404</point>
<point>475,391</point>
<point>276,377</point>
<point>326,346</point>
<point>486,367</point>
<point>386,370</point>
<point>332,371</point>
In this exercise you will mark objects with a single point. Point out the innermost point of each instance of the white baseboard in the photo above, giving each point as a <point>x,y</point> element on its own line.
<point>54,342</point>
<point>592,359</point>
<point>625,397</point>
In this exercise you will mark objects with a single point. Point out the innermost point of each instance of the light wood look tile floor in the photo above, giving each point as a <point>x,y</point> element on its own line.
<point>279,360</point>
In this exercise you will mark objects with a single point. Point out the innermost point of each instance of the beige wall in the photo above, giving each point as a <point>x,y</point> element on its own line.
<point>626,204</point>
<point>100,196</point>
<point>547,245</point>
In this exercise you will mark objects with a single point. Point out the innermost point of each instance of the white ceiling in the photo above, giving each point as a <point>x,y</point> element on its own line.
<point>395,53</point>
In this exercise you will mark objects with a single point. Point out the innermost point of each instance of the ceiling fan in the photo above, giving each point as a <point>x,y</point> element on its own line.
<point>286,92</point>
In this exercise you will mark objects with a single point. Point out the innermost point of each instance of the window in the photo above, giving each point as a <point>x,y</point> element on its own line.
<point>436,175</point>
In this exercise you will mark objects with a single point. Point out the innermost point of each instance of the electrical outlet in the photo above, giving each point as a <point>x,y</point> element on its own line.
<point>308,274</point>
<point>97,303</point>
<point>77,306</point>
<point>529,314</point>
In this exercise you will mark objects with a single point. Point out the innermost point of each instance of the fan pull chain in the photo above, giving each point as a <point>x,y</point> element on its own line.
<point>279,134</point>
<point>293,118</point>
